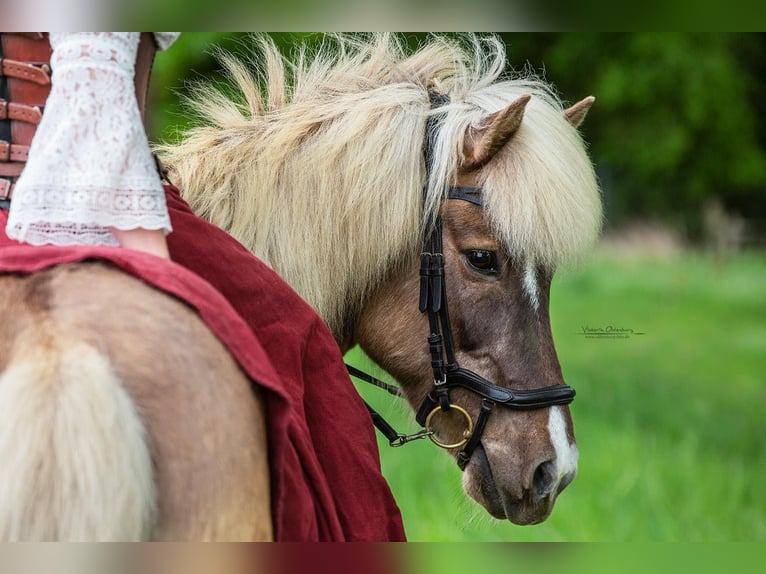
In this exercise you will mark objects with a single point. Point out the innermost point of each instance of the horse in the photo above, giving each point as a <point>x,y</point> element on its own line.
<point>101,433</point>
<point>323,177</point>
<point>318,169</point>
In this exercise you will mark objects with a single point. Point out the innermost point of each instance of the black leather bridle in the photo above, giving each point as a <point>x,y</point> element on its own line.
<point>447,373</point>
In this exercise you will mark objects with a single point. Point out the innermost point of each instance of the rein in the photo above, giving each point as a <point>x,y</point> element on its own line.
<point>447,373</point>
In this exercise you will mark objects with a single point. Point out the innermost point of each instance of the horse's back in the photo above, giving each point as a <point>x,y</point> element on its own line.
<point>125,418</point>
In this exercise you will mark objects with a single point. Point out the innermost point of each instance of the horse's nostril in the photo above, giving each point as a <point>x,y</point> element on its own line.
<point>544,479</point>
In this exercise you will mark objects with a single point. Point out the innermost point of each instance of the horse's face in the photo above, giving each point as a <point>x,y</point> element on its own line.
<point>498,307</point>
<point>501,328</point>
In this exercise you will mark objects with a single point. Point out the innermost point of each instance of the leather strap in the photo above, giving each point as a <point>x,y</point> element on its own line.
<point>515,399</point>
<point>36,72</point>
<point>26,73</point>
<point>20,112</point>
<point>464,456</point>
<point>13,152</point>
<point>30,35</point>
<point>11,169</point>
<point>469,194</point>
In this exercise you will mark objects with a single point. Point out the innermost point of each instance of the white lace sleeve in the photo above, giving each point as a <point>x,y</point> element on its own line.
<point>89,167</point>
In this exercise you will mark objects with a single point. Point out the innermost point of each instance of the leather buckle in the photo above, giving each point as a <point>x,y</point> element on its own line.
<point>6,188</point>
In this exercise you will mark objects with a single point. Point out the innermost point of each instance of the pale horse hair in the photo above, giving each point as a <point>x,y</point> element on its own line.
<point>318,167</point>
<point>81,469</point>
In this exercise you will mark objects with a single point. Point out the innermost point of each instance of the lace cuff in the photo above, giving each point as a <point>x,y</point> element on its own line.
<point>89,167</point>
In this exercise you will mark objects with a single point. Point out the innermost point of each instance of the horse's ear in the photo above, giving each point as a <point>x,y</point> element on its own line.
<point>482,144</point>
<point>576,114</point>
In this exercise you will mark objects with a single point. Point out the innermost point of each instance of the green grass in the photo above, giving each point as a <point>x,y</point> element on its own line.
<point>671,425</point>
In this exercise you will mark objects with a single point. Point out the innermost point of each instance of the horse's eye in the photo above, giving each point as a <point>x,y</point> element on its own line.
<point>482,260</point>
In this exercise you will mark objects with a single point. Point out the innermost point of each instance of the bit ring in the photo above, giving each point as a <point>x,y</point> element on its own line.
<point>466,433</point>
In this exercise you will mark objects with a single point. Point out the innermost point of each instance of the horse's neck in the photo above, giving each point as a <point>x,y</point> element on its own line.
<point>346,332</point>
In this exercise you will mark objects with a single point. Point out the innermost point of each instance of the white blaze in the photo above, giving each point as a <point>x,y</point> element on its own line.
<point>566,453</point>
<point>530,284</point>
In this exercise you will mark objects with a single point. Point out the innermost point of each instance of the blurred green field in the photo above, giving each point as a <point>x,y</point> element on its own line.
<point>671,425</point>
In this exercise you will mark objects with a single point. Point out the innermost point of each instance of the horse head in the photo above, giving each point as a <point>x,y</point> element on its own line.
<point>500,329</point>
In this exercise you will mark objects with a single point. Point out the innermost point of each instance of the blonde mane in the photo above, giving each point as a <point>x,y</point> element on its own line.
<point>318,167</point>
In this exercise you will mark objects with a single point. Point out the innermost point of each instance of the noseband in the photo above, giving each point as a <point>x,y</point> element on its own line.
<point>447,373</point>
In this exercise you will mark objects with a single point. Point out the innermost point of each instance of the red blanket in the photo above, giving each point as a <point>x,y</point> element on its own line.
<point>325,471</point>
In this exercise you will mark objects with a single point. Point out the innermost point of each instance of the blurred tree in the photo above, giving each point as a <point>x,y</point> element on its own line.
<point>680,118</point>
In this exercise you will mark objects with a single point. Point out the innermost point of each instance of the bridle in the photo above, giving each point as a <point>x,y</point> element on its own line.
<point>447,373</point>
